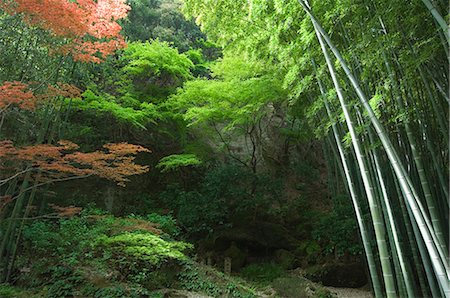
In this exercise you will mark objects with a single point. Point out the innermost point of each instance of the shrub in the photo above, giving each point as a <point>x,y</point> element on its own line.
<point>339,238</point>
<point>93,253</point>
<point>264,272</point>
<point>198,278</point>
<point>165,222</point>
<point>144,248</point>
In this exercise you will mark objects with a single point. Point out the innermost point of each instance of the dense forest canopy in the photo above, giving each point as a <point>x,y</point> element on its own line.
<point>229,148</point>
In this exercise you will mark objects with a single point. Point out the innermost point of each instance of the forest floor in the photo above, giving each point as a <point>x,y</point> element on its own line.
<point>350,292</point>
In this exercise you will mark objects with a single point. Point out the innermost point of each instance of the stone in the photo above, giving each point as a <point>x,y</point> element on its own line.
<point>236,255</point>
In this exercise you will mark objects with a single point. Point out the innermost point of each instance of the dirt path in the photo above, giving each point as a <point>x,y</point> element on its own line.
<point>350,292</point>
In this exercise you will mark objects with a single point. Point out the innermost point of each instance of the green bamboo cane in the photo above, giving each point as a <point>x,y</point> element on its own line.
<point>378,223</point>
<point>414,234</point>
<point>439,19</point>
<point>413,245</point>
<point>406,275</point>
<point>417,159</point>
<point>19,236</point>
<point>437,256</point>
<point>353,194</point>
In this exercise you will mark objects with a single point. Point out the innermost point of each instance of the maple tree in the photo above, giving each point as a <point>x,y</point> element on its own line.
<point>115,163</point>
<point>16,93</point>
<point>62,89</point>
<point>90,27</point>
<point>20,94</point>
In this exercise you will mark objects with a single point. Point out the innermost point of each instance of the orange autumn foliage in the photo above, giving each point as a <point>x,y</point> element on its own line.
<point>136,224</point>
<point>115,163</point>
<point>90,25</point>
<point>16,93</point>
<point>19,94</point>
<point>62,89</point>
<point>68,211</point>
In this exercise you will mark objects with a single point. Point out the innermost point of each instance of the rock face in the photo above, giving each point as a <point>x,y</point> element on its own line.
<point>339,275</point>
<point>259,235</point>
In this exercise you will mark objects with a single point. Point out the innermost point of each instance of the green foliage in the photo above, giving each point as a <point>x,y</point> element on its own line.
<point>161,19</point>
<point>90,253</point>
<point>216,284</point>
<point>165,222</point>
<point>61,288</point>
<point>262,273</point>
<point>175,161</point>
<point>24,51</point>
<point>238,96</point>
<point>339,238</point>
<point>140,115</point>
<point>132,87</point>
<point>224,192</point>
<point>201,66</point>
<point>143,247</point>
<point>193,210</point>
<point>237,67</point>
<point>7,291</point>
<point>310,249</point>
<point>155,68</point>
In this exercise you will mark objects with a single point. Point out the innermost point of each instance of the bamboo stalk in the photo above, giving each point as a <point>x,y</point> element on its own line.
<point>375,211</point>
<point>438,257</point>
<point>353,194</point>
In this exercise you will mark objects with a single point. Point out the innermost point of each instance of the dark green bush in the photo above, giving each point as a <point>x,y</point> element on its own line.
<point>263,272</point>
<point>91,252</point>
<point>227,192</point>
<point>203,279</point>
<point>339,238</point>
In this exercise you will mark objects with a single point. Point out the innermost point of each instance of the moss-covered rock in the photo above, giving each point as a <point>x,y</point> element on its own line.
<point>298,287</point>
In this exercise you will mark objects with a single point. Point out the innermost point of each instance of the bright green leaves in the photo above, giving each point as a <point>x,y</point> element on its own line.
<point>232,67</point>
<point>238,96</point>
<point>144,247</point>
<point>144,113</point>
<point>157,60</point>
<point>234,102</point>
<point>150,72</point>
<point>176,161</point>
<point>154,69</point>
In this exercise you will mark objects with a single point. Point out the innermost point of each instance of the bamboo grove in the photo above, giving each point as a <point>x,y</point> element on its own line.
<point>372,77</point>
